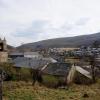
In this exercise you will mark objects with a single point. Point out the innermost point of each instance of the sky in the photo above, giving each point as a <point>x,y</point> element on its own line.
<point>25,21</point>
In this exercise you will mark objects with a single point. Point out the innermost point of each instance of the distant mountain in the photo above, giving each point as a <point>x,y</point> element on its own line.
<point>10,48</point>
<point>63,42</point>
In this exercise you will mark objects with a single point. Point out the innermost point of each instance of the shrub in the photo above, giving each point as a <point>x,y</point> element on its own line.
<point>8,69</point>
<point>14,74</point>
<point>53,81</point>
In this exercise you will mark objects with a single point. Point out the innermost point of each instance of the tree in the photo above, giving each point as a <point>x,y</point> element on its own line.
<point>95,44</point>
<point>36,76</point>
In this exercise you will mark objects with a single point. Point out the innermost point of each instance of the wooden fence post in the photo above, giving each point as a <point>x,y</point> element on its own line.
<point>1,80</point>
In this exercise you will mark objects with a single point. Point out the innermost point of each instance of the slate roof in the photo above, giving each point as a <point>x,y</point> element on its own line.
<point>31,53</point>
<point>35,63</point>
<point>24,53</point>
<point>58,69</point>
<point>16,53</point>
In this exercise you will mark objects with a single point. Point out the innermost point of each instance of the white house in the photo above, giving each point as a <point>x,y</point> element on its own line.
<point>32,55</point>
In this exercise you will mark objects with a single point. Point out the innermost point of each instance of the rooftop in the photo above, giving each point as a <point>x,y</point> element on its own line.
<point>58,69</point>
<point>35,63</point>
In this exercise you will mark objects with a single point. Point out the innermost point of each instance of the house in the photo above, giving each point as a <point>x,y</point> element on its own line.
<point>32,55</point>
<point>57,69</point>
<point>60,73</point>
<point>66,73</point>
<point>54,74</point>
<point>14,55</point>
<point>79,75</point>
<point>34,63</point>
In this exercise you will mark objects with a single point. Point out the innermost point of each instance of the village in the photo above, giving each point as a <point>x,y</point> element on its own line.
<point>62,62</point>
<point>49,50</point>
<point>55,68</point>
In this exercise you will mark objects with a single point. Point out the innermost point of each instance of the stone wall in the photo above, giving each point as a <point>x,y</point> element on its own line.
<point>3,56</point>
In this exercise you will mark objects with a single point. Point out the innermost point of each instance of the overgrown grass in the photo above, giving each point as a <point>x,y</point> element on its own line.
<point>51,81</point>
<point>25,91</point>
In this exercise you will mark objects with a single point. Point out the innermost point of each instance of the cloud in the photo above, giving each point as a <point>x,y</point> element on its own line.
<point>33,20</point>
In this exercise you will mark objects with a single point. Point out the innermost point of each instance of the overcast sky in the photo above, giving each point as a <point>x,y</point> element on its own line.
<point>24,21</point>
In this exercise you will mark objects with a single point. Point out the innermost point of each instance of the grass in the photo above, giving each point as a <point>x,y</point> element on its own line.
<point>51,81</point>
<point>25,91</point>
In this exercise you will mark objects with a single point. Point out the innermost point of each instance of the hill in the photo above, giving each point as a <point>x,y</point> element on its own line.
<point>10,48</point>
<point>63,42</point>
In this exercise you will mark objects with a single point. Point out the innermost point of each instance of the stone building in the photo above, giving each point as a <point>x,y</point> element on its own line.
<point>3,51</point>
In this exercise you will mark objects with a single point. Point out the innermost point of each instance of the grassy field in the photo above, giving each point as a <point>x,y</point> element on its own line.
<point>25,91</point>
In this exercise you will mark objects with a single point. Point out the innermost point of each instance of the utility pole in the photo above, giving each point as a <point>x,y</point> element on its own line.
<point>1,81</point>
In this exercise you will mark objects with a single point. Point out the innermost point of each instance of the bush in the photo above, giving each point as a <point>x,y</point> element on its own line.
<point>15,74</point>
<point>53,81</point>
<point>8,69</point>
<point>24,74</point>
